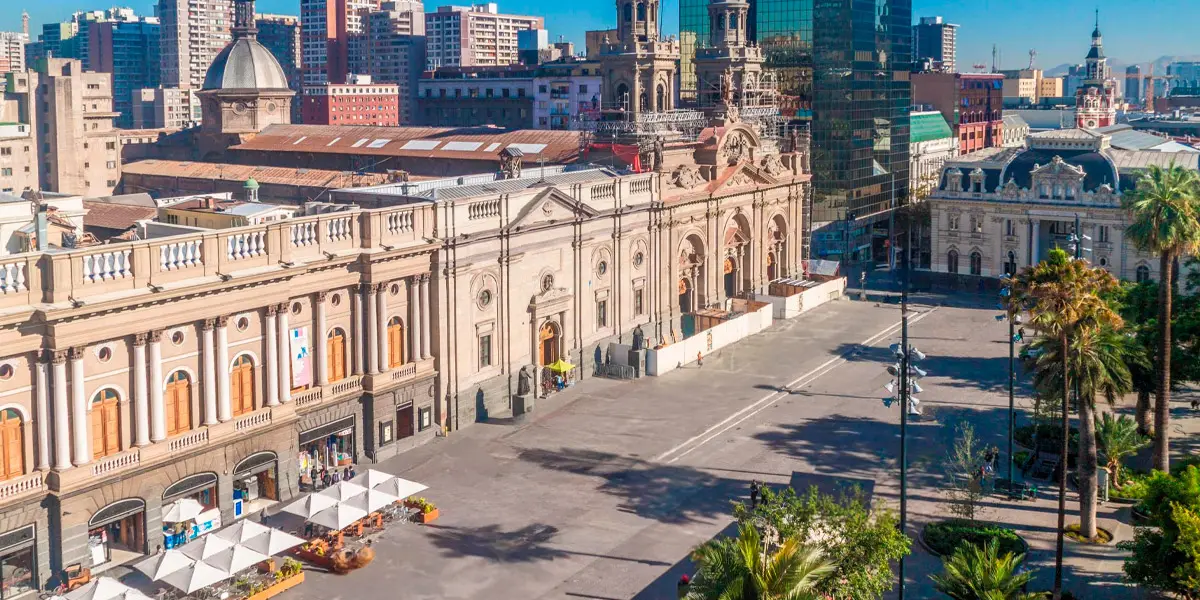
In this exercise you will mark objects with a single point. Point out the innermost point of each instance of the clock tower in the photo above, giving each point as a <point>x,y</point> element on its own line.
<point>1096,98</point>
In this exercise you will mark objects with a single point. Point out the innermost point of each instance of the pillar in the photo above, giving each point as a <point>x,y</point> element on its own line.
<point>320,345</point>
<point>372,328</point>
<point>425,349</point>
<point>1034,250</point>
<point>210,373</point>
<point>272,345</point>
<point>356,344</point>
<point>158,410</point>
<point>285,355</point>
<point>141,405</point>
<point>224,402</point>
<point>62,429</point>
<point>79,414</point>
<point>381,321</point>
<point>414,318</point>
<point>42,416</point>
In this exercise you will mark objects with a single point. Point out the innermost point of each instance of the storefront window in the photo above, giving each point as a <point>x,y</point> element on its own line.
<point>117,533</point>
<point>18,563</point>
<point>425,418</point>
<point>326,448</point>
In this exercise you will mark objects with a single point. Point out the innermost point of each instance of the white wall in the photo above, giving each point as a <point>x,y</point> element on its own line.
<point>664,360</point>
<point>786,307</point>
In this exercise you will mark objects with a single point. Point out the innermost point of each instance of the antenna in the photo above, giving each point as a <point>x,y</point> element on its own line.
<point>995,54</point>
<point>1032,57</point>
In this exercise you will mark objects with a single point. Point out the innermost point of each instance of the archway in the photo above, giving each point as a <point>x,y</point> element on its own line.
<point>12,444</point>
<point>952,261</point>
<point>778,234</point>
<point>730,269</point>
<point>548,342</point>
<point>692,272</point>
<point>395,333</point>
<point>976,263</point>
<point>106,435</point>
<point>660,98</point>
<point>622,98</point>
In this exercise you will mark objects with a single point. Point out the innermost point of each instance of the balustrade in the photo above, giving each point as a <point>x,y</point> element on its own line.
<point>180,255</point>
<point>303,234</point>
<point>188,440</point>
<point>253,420</point>
<point>400,222</point>
<point>338,229</point>
<point>605,190</point>
<point>12,277</point>
<point>106,266</point>
<point>247,244</point>
<point>17,487</point>
<point>639,186</point>
<point>115,462</point>
<point>483,210</point>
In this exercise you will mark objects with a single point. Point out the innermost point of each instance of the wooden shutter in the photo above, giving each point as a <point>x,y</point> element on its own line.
<point>111,443</point>
<point>169,401</point>
<point>98,430</point>
<point>183,404</point>
<point>395,345</point>
<point>14,450</point>
<point>337,358</point>
<point>244,378</point>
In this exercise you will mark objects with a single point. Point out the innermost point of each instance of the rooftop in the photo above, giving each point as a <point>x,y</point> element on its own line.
<point>115,216</point>
<point>453,188</point>
<point>1127,160</point>
<point>263,175</point>
<point>926,126</point>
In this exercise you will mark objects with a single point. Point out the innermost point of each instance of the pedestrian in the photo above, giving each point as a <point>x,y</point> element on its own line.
<point>681,588</point>
<point>352,472</point>
<point>699,359</point>
<point>335,477</point>
<point>753,494</point>
<point>346,474</point>
<point>308,530</point>
<point>324,478</point>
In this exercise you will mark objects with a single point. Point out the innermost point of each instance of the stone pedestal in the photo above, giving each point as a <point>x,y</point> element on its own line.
<point>522,404</point>
<point>637,358</point>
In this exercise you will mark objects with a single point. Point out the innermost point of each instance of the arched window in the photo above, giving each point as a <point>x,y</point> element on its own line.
<point>12,444</point>
<point>952,261</point>
<point>733,22</point>
<point>628,10</point>
<point>976,263</point>
<point>335,345</point>
<point>177,399</point>
<point>241,385</point>
<point>106,436</point>
<point>1010,267</point>
<point>720,22</point>
<point>661,97</point>
<point>395,333</point>
<point>1143,274</point>
<point>641,11</point>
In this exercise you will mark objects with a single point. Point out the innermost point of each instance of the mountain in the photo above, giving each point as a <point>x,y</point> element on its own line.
<point>1118,66</point>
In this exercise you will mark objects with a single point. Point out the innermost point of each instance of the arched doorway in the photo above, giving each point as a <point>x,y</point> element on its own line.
<point>12,444</point>
<point>623,95</point>
<point>660,97</point>
<point>335,347</point>
<point>770,266</point>
<point>178,400</point>
<point>731,272</point>
<point>106,436</point>
<point>548,341</point>
<point>395,333</point>
<point>117,532</point>
<point>241,385</point>
<point>685,296</point>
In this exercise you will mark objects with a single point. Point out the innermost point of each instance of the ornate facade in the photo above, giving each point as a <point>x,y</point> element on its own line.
<point>640,68</point>
<point>1096,98</point>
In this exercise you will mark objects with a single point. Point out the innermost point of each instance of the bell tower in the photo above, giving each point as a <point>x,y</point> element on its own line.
<point>1096,98</point>
<point>729,70</point>
<point>639,67</point>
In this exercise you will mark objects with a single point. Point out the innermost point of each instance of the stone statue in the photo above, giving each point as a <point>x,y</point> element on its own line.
<point>658,154</point>
<point>727,86</point>
<point>639,339</point>
<point>524,382</point>
<point>794,138</point>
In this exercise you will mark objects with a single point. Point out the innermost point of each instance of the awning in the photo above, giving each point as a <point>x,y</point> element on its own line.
<point>326,430</point>
<point>560,366</point>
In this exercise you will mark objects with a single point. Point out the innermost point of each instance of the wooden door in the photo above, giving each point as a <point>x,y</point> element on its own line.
<point>12,440</point>
<point>178,398</point>
<point>336,349</point>
<point>548,343</point>
<point>241,386</point>
<point>395,343</point>
<point>105,427</point>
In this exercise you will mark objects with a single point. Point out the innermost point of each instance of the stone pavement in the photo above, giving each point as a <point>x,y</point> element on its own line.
<point>605,489</point>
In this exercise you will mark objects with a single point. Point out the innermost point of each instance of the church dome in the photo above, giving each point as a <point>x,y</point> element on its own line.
<point>245,65</point>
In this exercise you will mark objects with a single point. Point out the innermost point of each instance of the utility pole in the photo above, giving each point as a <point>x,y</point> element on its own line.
<point>904,408</point>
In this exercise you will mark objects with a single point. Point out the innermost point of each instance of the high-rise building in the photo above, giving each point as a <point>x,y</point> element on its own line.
<point>12,51</point>
<point>476,35</point>
<point>129,50</point>
<point>1074,78</point>
<point>1133,84</point>
<point>359,101</point>
<point>18,138</point>
<point>333,39</point>
<point>397,55</point>
<point>193,33</point>
<point>164,108</point>
<point>971,103</point>
<point>78,143</point>
<point>1096,98</point>
<point>281,35</point>
<point>935,40</point>
<point>1186,74</point>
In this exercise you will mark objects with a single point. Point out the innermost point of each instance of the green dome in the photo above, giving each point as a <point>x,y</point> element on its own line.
<point>251,184</point>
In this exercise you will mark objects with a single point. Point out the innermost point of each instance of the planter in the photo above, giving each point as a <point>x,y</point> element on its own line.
<point>1024,546</point>
<point>427,517</point>
<point>1140,517</point>
<point>278,587</point>
<point>267,566</point>
<point>312,558</point>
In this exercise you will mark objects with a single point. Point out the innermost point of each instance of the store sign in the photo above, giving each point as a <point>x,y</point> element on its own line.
<point>301,358</point>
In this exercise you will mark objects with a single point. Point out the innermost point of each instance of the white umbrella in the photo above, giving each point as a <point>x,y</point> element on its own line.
<point>371,478</point>
<point>196,577</point>
<point>374,500</point>
<point>236,558</point>
<point>106,588</point>
<point>343,490</point>
<point>272,542</point>
<point>401,488</point>
<point>184,509</point>
<point>339,516</point>
<point>205,547</point>
<point>310,505</point>
<point>242,531</point>
<point>160,565</point>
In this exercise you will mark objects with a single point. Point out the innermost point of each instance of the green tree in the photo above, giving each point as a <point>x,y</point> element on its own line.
<point>742,568</point>
<point>1165,221</point>
<point>962,471</point>
<point>860,542</point>
<point>1118,437</point>
<point>1137,303</point>
<point>1063,297</point>
<point>982,573</point>
<point>1166,557</point>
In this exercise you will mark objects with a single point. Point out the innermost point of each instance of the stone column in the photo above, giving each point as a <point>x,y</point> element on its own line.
<point>141,404</point>
<point>372,329</point>
<point>425,346</point>
<point>62,428</point>
<point>158,409</point>
<point>381,321</point>
<point>320,342</point>
<point>42,416</point>
<point>81,431</point>
<point>285,355</point>
<point>414,319</point>
<point>1036,225</point>
<point>224,402</point>
<point>356,344</point>
<point>272,344</point>
<point>210,373</point>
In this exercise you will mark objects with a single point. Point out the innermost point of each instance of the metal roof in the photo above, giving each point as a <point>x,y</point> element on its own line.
<point>926,126</point>
<point>115,216</point>
<point>263,175</point>
<point>245,64</point>
<point>485,184</point>
<point>1127,160</point>
<point>470,143</point>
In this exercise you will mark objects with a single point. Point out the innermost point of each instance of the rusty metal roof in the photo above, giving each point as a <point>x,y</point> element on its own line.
<point>115,216</point>
<point>263,175</point>
<point>468,143</point>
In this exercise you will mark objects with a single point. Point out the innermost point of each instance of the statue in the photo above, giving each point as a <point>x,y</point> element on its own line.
<point>639,339</point>
<point>686,177</point>
<point>524,382</point>
<point>794,139</point>
<point>658,154</point>
<point>727,86</point>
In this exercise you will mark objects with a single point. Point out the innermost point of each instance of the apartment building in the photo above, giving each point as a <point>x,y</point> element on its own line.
<point>18,142</point>
<point>476,35</point>
<point>130,52</point>
<point>164,108</point>
<point>358,102</point>
<point>397,36</point>
<point>936,41</point>
<point>193,33</point>
<point>333,39</point>
<point>78,142</point>
<point>547,96</point>
<point>12,51</point>
<point>281,35</point>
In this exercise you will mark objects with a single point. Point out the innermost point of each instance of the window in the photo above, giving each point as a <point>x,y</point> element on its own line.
<point>335,346</point>
<point>105,424</point>
<point>178,403</point>
<point>1143,274</point>
<point>386,434</point>
<point>425,418</point>
<point>1102,233</point>
<point>395,333</point>
<point>485,351</point>
<point>18,571</point>
<point>1010,228</point>
<point>976,224</point>
<point>241,385</point>
<point>1010,266</point>
<point>583,89</point>
<point>520,92</point>
<point>6,172</point>
<point>5,151</point>
<point>12,444</point>
<point>541,89</point>
<point>639,306</point>
<point>110,145</point>
<point>112,164</point>
<point>976,263</point>
<point>602,313</point>
<point>952,262</point>
<point>953,222</point>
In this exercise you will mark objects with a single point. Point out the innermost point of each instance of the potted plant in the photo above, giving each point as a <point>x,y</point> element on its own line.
<point>288,576</point>
<point>427,512</point>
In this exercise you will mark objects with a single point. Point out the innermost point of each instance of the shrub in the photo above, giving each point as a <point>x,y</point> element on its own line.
<point>944,537</point>
<point>1134,487</point>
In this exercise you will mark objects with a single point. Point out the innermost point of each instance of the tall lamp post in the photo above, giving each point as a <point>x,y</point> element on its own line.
<point>1014,336</point>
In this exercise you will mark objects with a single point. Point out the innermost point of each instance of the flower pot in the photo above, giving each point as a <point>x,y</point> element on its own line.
<point>428,517</point>
<point>279,587</point>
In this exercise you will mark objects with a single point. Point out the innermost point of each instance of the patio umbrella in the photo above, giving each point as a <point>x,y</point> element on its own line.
<point>196,577</point>
<point>560,366</point>
<point>236,558</point>
<point>242,531</point>
<point>374,500</point>
<point>205,547</point>
<point>371,478</point>
<point>160,565</point>
<point>310,505</point>
<point>401,488</point>
<point>272,542</point>
<point>184,509</point>
<point>106,588</point>
<point>341,515</point>
<point>343,490</point>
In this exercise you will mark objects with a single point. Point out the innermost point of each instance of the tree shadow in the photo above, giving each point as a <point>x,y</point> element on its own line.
<point>527,544</point>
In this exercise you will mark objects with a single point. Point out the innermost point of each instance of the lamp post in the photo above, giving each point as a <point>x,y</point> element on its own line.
<point>1014,336</point>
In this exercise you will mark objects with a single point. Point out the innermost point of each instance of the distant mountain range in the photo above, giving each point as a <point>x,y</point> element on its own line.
<point>1118,66</point>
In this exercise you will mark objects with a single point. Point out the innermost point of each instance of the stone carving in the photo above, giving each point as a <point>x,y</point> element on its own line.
<point>658,155</point>
<point>740,179</point>
<point>772,165</point>
<point>735,148</point>
<point>686,177</point>
<point>727,86</point>
<point>524,381</point>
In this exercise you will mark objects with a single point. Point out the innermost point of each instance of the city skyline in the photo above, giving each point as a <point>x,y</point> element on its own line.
<point>1130,37</point>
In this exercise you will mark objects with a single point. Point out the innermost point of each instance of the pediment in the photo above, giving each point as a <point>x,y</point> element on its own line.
<point>742,175</point>
<point>550,206</point>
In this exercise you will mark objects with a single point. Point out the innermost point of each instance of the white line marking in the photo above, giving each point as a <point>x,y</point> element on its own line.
<point>758,407</point>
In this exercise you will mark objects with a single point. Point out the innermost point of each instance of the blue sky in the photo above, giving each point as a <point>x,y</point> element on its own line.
<point>1135,31</point>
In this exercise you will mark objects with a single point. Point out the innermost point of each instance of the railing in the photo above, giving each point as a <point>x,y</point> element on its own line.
<point>28,483</point>
<point>338,229</point>
<point>247,245</point>
<point>346,386</point>
<point>404,371</point>
<point>639,186</point>
<point>117,461</point>
<point>307,397</point>
<point>180,255</point>
<point>483,210</point>
<point>304,234</point>
<point>604,190</point>
<point>106,266</point>
<point>400,222</point>
<point>188,440</point>
<point>253,420</point>
<point>12,277</point>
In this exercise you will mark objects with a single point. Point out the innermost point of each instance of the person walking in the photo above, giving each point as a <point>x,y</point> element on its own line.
<point>753,494</point>
<point>699,359</point>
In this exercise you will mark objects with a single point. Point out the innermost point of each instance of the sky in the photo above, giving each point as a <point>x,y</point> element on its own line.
<point>1134,31</point>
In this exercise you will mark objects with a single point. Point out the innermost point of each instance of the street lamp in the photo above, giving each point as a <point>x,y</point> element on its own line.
<point>1014,335</point>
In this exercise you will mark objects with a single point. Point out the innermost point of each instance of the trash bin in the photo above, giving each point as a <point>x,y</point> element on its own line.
<point>1102,484</point>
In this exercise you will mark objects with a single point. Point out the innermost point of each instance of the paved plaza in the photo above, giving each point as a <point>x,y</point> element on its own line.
<point>602,492</point>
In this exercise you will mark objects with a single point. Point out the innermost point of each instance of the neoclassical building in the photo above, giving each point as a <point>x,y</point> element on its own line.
<point>1001,209</point>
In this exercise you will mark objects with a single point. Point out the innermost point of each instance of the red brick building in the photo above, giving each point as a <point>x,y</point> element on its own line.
<point>972,103</point>
<point>362,103</point>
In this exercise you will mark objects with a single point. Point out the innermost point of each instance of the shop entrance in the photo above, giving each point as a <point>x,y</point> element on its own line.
<point>255,483</point>
<point>117,533</point>
<point>404,421</point>
<point>326,448</point>
<point>201,487</point>
<point>18,562</point>
<point>548,343</point>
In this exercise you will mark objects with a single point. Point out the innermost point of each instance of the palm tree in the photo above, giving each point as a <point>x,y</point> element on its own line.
<point>742,569</point>
<point>980,573</point>
<point>1118,438</point>
<point>1165,220</point>
<point>1062,296</point>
